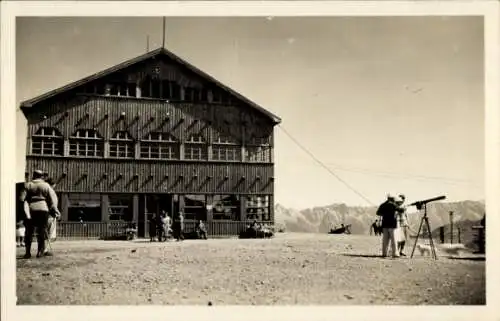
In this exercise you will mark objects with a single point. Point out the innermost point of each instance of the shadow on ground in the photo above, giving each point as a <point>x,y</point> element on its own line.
<point>479,258</point>
<point>364,255</point>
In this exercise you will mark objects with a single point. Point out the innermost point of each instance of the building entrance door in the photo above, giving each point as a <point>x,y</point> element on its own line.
<point>151,205</point>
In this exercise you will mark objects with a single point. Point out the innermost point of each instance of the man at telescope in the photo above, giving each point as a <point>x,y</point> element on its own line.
<point>388,211</point>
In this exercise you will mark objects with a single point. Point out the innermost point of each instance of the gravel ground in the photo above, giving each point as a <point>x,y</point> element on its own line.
<point>303,269</point>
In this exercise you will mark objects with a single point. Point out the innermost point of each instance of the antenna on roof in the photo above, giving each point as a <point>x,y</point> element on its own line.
<point>163,30</point>
<point>147,43</point>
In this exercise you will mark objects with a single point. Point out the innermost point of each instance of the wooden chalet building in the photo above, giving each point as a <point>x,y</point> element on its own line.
<point>153,133</point>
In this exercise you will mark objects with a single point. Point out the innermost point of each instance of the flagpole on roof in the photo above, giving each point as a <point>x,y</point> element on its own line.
<point>163,31</point>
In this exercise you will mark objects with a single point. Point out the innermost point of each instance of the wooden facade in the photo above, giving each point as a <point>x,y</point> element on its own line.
<point>151,134</point>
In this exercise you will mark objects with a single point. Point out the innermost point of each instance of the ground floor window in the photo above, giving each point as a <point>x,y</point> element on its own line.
<point>226,207</point>
<point>258,208</point>
<point>120,207</point>
<point>195,207</point>
<point>84,207</point>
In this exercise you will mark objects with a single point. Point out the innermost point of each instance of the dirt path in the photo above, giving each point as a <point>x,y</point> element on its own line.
<point>290,269</point>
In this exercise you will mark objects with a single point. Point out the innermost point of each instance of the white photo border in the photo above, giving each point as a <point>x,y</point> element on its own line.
<point>12,9</point>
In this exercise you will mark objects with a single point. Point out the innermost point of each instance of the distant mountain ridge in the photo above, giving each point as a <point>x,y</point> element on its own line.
<point>320,219</point>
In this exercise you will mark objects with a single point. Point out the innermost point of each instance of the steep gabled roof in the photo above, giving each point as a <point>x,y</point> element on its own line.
<point>157,52</point>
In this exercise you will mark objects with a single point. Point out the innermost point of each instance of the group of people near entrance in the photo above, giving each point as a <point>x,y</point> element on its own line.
<point>394,224</point>
<point>162,226</point>
<point>40,214</point>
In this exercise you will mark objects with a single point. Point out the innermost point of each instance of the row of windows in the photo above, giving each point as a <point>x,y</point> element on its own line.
<point>88,143</point>
<point>87,207</point>
<point>163,89</point>
<point>52,134</point>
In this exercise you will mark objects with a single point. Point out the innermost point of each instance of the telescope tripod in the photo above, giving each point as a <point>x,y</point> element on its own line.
<point>425,220</point>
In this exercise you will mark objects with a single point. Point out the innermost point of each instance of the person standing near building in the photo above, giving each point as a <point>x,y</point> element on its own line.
<point>160,227</point>
<point>40,201</point>
<point>388,212</point>
<point>152,227</point>
<point>201,230</point>
<point>168,226</point>
<point>178,226</point>
<point>52,222</point>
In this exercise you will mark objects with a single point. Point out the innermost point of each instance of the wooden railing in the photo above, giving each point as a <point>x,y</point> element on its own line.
<point>102,230</point>
<point>88,230</point>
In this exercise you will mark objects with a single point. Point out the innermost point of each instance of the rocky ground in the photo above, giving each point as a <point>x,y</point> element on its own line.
<point>289,269</point>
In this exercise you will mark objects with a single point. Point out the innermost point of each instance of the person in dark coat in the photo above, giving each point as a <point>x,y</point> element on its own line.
<point>388,211</point>
<point>152,228</point>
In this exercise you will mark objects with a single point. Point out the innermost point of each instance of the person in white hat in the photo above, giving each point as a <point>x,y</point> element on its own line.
<point>40,201</point>
<point>403,227</point>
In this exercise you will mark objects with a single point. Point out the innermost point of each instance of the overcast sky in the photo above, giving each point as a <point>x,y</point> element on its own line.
<point>389,104</point>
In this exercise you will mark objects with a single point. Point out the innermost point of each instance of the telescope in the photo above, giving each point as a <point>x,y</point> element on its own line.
<point>419,204</point>
<point>425,219</point>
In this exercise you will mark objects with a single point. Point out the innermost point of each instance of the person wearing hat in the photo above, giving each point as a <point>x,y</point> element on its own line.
<point>402,231</point>
<point>388,212</point>
<point>40,201</point>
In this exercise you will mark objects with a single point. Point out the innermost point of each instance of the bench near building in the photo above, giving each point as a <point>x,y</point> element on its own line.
<point>153,133</point>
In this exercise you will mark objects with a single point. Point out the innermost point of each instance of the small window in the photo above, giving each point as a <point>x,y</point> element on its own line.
<point>131,90</point>
<point>176,91</point>
<point>166,92</point>
<point>121,145</point>
<point>226,148</point>
<point>159,145</point>
<point>260,154</point>
<point>226,153</point>
<point>204,95</point>
<point>47,141</point>
<point>146,87</point>
<point>123,90</point>
<point>191,94</point>
<point>216,96</point>
<point>114,90</point>
<point>188,94</point>
<point>196,148</point>
<point>86,143</point>
<point>155,88</point>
